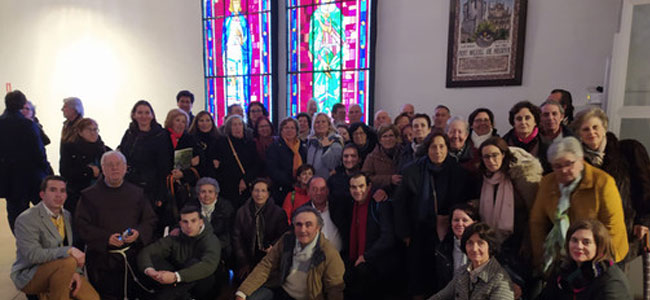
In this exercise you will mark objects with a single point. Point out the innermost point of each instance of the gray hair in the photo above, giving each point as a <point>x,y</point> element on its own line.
<point>207,180</point>
<point>552,102</point>
<point>563,146</point>
<point>110,153</point>
<point>76,103</point>
<point>457,119</point>
<point>305,209</point>
<point>227,126</point>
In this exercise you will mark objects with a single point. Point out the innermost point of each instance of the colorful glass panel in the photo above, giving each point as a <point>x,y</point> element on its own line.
<point>237,54</point>
<point>328,54</point>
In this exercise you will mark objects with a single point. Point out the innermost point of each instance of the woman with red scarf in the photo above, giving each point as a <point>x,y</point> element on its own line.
<point>184,152</point>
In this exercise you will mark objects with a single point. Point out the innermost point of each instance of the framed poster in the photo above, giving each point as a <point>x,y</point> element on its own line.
<point>486,42</point>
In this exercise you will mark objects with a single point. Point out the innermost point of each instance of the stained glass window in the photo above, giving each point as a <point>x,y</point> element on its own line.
<point>329,54</point>
<point>237,54</point>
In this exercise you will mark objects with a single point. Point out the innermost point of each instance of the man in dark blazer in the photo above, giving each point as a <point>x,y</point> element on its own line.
<point>23,163</point>
<point>46,261</point>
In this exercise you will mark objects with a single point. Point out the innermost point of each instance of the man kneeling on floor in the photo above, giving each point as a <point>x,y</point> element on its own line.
<point>46,262</point>
<point>301,265</point>
<point>184,265</point>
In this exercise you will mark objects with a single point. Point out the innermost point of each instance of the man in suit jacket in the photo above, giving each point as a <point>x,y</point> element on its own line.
<point>46,262</point>
<point>23,163</point>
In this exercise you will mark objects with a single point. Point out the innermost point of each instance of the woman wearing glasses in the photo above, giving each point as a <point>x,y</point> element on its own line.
<point>510,177</point>
<point>574,191</point>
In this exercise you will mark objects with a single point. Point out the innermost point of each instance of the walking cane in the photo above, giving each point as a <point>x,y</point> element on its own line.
<point>646,267</point>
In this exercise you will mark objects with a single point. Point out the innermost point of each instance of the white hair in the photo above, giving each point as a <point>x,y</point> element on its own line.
<point>76,103</point>
<point>113,152</point>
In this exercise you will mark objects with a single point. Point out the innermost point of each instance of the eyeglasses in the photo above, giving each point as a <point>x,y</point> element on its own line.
<point>491,156</point>
<point>562,166</point>
<point>92,129</point>
<point>482,120</point>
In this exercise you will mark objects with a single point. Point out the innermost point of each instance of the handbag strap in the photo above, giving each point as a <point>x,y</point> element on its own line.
<point>234,153</point>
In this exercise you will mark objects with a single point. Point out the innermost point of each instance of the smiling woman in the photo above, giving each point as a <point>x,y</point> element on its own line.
<point>480,245</point>
<point>588,271</point>
<point>80,160</point>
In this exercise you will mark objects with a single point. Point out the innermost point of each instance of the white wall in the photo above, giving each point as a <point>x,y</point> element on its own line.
<point>567,44</point>
<point>108,53</point>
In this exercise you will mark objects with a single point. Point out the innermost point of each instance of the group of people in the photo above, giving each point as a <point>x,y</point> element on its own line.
<point>327,206</point>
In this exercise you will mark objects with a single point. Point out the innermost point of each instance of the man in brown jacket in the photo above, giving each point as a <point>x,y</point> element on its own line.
<point>301,265</point>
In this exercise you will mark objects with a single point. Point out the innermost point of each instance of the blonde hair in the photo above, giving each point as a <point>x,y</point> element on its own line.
<point>172,114</point>
<point>80,126</point>
<point>330,126</point>
<point>586,114</point>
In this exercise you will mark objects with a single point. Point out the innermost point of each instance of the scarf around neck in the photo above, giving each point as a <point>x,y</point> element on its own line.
<point>596,157</point>
<point>498,210</point>
<point>530,137</point>
<point>174,136</point>
<point>554,243</point>
<point>479,139</point>
<point>295,148</point>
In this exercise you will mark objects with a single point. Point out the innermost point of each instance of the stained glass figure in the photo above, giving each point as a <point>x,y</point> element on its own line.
<point>237,54</point>
<point>328,54</point>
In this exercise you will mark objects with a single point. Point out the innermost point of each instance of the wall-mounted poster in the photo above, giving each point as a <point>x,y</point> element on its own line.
<point>486,42</point>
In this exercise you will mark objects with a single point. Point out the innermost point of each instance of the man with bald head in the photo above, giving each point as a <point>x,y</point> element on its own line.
<point>409,109</point>
<point>381,118</point>
<point>115,220</point>
<point>354,113</point>
<point>335,213</point>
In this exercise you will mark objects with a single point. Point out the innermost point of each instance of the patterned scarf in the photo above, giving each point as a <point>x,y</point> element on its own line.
<point>553,245</point>
<point>259,225</point>
<point>595,157</point>
<point>498,210</point>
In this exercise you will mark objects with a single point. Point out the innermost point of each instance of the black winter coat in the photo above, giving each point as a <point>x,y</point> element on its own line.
<point>181,191</point>
<point>339,186</point>
<point>279,166</point>
<point>75,158</point>
<point>208,144</point>
<point>229,174</point>
<point>610,285</point>
<point>244,231</point>
<point>409,193</point>
<point>627,161</point>
<point>380,238</point>
<point>23,162</point>
<point>147,157</point>
<point>221,221</point>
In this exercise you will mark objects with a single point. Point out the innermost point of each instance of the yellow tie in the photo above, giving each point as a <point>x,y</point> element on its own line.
<point>60,226</point>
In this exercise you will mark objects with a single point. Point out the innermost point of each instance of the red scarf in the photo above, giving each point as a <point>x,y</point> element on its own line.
<point>358,229</point>
<point>174,136</point>
<point>530,137</point>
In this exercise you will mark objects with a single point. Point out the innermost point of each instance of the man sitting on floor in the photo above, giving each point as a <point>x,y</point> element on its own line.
<point>46,262</point>
<point>301,265</point>
<point>185,264</point>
